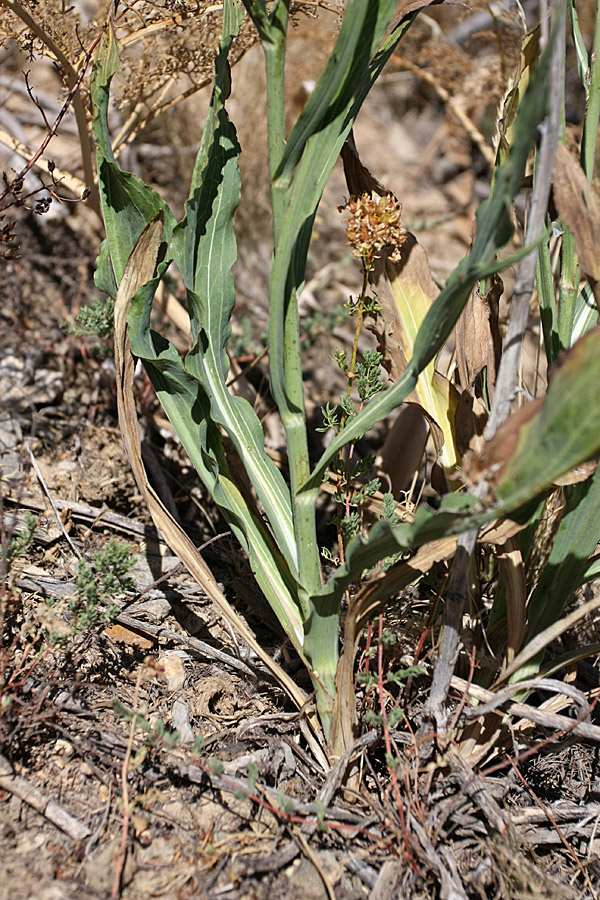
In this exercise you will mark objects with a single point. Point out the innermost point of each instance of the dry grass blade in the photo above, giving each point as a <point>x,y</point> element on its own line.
<point>140,270</point>
<point>510,563</point>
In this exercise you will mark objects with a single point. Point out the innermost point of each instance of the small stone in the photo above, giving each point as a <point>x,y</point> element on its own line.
<point>174,671</point>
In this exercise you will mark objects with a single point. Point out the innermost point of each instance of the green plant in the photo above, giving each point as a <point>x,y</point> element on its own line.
<point>97,585</point>
<point>19,543</point>
<point>278,531</point>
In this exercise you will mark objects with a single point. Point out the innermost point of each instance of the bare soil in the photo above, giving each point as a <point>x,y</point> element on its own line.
<point>250,813</point>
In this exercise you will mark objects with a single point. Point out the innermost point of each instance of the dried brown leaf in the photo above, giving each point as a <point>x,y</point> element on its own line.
<point>469,423</point>
<point>478,342</point>
<point>510,562</point>
<point>403,448</point>
<point>578,202</point>
<point>497,452</point>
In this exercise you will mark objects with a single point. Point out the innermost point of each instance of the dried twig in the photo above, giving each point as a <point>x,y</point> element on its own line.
<point>50,809</point>
<point>116,888</point>
<point>46,490</point>
<point>71,182</point>
<point>525,711</point>
<point>75,79</point>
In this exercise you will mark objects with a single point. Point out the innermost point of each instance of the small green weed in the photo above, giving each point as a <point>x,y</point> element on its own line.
<point>95,320</point>
<point>20,543</point>
<point>98,584</point>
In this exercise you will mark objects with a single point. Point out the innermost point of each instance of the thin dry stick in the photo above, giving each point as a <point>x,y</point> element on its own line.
<point>116,888</point>
<point>467,123</point>
<point>528,713</point>
<point>46,490</point>
<point>71,182</point>
<point>74,79</point>
<point>52,130</point>
<point>48,808</point>
<point>505,385</point>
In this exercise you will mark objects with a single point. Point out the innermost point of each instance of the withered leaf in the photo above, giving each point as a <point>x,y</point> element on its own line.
<point>478,342</point>
<point>578,202</point>
<point>405,291</point>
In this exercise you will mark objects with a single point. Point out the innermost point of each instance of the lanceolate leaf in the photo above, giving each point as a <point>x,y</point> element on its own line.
<point>205,249</point>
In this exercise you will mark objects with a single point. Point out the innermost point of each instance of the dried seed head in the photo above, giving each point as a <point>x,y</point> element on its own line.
<point>374,224</point>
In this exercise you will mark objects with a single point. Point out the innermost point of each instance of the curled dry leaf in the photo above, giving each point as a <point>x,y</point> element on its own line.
<point>469,423</point>
<point>478,342</point>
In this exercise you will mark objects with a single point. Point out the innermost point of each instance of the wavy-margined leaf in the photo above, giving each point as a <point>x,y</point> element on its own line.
<point>204,248</point>
<point>128,204</point>
<point>187,407</point>
<point>140,269</point>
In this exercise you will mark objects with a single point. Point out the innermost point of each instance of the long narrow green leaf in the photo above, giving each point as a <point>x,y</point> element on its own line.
<point>580,48</point>
<point>585,316</point>
<point>204,249</point>
<point>352,85</point>
<point>360,34</point>
<point>547,301</point>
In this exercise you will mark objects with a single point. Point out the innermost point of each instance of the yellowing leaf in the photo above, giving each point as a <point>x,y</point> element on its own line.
<point>405,292</point>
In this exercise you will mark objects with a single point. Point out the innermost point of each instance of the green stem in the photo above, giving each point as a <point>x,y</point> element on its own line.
<point>547,301</point>
<point>274,48</point>
<point>592,113</point>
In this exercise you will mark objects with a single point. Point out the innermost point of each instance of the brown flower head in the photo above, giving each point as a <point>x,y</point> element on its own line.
<point>374,224</point>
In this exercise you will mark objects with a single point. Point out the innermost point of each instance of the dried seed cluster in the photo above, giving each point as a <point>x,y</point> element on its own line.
<point>374,225</point>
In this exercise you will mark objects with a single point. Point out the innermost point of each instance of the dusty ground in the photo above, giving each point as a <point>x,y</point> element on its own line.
<point>247,811</point>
